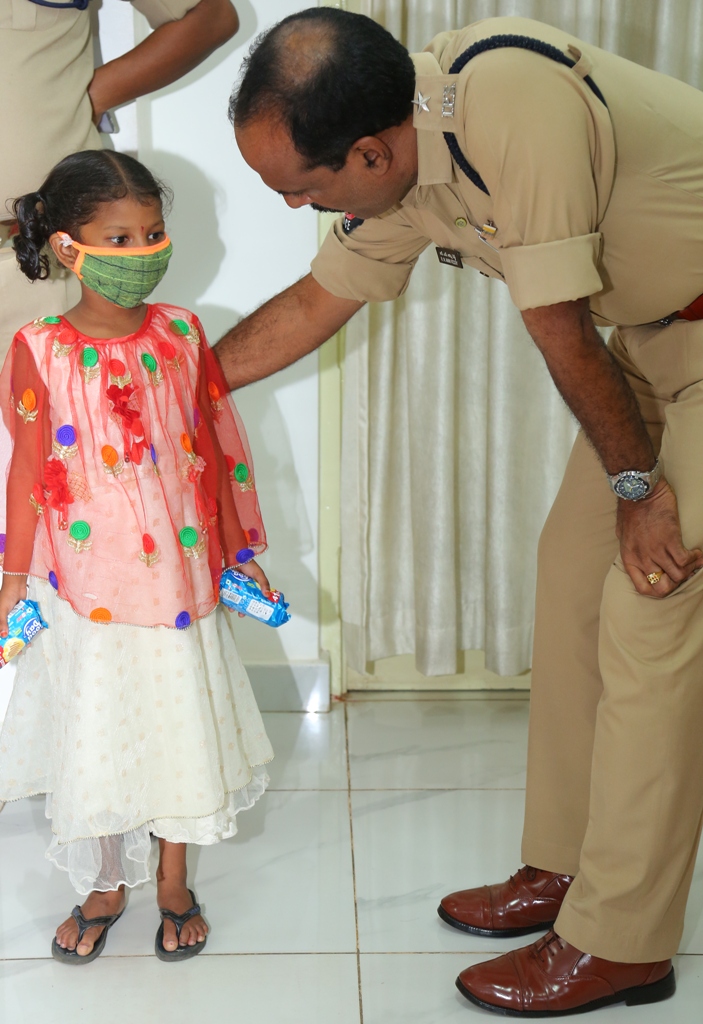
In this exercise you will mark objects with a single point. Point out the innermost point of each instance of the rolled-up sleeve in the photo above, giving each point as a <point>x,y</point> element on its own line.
<point>159,12</point>
<point>543,144</point>
<point>371,264</point>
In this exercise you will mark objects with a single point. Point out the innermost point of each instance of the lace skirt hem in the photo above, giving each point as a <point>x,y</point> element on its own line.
<point>107,862</point>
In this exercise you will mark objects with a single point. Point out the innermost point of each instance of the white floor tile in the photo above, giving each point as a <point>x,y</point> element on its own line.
<point>411,848</point>
<point>309,750</point>
<point>406,989</point>
<point>438,744</point>
<point>248,989</point>
<point>283,884</point>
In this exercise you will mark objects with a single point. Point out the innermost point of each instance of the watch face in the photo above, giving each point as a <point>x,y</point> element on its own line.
<point>631,488</point>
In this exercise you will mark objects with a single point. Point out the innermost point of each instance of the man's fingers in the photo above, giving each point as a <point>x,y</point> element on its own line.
<point>640,581</point>
<point>662,588</point>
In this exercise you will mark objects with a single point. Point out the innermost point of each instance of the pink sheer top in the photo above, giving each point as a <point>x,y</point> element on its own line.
<point>131,482</point>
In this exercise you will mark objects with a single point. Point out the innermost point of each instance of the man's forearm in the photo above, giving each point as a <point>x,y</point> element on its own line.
<point>280,332</point>
<point>592,384</point>
<point>166,55</point>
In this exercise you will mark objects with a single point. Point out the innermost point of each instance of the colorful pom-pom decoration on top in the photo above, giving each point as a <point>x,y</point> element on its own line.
<point>64,444</point>
<point>192,546</point>
<point>101,615</point>
<point>242,594</point>
<point>27,406</point>
<point>243,477</point>
<point>215,399</point>
<point>156,377</point>
<point>112,463</point>
<point>90,361</point>
<point>119,373</point>
<point>184,329</point>
<point>149,553</point>
<point>79,536</point>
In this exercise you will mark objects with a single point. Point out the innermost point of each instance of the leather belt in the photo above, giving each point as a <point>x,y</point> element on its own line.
<point>694,311</point>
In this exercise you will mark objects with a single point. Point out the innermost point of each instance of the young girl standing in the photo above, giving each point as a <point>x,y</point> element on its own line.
<point>129,489</point>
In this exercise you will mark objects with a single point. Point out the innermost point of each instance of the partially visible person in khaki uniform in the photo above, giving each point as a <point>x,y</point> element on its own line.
<point>53,98</point>
<point>577,177</point>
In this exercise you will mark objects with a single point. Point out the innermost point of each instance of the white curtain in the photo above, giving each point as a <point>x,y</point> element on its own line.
<point>454,438</point>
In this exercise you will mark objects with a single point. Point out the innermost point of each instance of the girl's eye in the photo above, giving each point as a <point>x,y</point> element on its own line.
<point>118,239</point>
<point>157,236</point>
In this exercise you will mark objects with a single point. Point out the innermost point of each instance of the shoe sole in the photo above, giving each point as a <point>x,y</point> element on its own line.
<point>637,996</point>
<point>493,933</point>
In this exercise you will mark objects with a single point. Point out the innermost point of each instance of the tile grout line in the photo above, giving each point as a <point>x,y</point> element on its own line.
<point>353,861</point>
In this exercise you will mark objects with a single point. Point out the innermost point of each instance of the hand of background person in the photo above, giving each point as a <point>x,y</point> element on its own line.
<point>650,541</point>
<point>169,52</point>
<point>14,589</point>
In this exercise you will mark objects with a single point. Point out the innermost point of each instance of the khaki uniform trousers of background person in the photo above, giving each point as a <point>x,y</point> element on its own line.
<point>618,684</point>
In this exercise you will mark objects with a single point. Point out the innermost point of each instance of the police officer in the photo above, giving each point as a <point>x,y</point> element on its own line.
<point>577,178</point>
<point>53,98</point>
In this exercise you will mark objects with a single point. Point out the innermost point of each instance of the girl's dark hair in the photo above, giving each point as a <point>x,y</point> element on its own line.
<point>329,77</point>
<point>69,197</point>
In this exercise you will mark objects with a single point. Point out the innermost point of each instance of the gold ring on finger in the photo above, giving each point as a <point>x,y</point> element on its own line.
<point>654,577</point>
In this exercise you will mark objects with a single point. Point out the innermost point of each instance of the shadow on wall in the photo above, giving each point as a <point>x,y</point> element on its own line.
<point>198,254</point>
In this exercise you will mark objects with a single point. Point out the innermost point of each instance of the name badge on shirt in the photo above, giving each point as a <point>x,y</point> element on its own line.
<point>452,257</point>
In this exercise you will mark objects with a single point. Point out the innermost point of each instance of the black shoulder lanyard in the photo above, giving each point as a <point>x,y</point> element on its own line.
<point>78,5</point>
<point>496,43</point>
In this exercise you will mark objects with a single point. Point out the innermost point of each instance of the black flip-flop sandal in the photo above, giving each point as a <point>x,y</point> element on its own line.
<point>71,956</point>
<point>181,952</point>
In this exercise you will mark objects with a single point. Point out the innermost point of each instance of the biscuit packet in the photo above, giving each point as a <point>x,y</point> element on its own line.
<point>24,622</point>
<point>242,594</point>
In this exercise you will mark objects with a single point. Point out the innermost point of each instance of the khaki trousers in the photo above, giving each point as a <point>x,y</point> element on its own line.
<point>615,759</point>
<point>21,301</point>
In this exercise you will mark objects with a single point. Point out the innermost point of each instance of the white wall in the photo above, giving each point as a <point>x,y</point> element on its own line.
<point>236,243</point>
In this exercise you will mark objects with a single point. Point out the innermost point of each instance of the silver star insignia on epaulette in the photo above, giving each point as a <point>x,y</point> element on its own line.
<point>421,103</point>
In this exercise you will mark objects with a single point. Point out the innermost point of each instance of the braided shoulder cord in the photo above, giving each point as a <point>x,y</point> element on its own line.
<point>495,43</point>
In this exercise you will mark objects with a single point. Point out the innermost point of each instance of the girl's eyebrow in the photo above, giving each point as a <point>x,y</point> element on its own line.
<point>122,227</point>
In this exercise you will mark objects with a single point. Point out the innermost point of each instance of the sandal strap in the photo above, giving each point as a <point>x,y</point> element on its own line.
<point>180,919</point>
<point>85,923</point>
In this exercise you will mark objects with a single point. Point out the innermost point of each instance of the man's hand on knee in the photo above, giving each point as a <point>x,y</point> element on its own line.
<point>651,545</point>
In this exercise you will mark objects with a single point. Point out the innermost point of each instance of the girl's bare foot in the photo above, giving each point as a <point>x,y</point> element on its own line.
<point>98,904</point>
<point>172,894</point>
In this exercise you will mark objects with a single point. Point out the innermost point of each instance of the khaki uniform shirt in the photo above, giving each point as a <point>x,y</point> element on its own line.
<point>46,65</point>
<point>586,200</point>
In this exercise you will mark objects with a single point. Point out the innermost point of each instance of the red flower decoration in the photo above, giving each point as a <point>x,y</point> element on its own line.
<point>132,426</point>
<point>56,484</point>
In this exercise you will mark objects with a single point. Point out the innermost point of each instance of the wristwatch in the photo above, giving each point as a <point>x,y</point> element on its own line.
<point>631,485</point>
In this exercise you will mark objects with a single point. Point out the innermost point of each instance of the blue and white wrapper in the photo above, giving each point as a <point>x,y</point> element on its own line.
<point>24,622</point>
<point>242,594</point>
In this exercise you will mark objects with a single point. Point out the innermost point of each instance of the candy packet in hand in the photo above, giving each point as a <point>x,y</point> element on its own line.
<point>24,622</point>
<point>242,594</point>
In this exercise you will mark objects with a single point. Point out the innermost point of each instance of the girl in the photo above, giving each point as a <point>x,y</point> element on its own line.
<point>129,489</point>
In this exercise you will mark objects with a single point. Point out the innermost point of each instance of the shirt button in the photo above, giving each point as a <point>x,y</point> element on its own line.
<point>461,222</point>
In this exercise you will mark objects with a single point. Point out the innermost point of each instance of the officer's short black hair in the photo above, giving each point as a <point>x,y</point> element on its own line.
<point>329,77</point>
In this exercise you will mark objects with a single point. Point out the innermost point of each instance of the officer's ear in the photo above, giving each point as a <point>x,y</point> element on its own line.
<point>372,154</point>
<point>61,244</point>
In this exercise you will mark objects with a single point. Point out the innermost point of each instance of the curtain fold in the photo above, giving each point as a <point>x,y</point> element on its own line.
<point>454,437</point>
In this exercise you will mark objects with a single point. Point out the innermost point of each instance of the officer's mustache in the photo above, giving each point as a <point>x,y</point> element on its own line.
<point>324,209</point>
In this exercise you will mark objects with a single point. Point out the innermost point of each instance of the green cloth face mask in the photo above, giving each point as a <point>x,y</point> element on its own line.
<point>122,276</point>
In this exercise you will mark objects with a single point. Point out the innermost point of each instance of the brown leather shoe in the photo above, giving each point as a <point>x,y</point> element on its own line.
<point>528,902</point>
<point>552,978</point>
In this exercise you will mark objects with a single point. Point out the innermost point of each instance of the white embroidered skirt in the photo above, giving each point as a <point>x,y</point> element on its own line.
<point>131,731</point>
